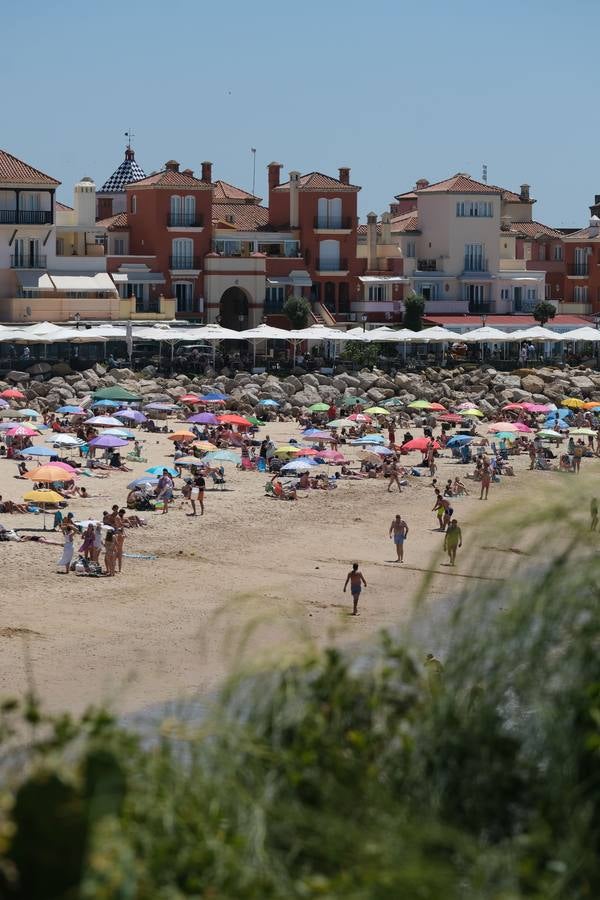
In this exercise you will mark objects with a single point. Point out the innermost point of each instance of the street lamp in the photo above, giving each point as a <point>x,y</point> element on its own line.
<point>77,318</point>
<point>364,319</point>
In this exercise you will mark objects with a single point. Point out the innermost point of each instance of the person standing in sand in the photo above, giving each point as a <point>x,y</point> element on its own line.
<point>486,478</point>
<point>399,531</point>
<point>393,477</point>
<point>452,541</point>
<point>164,490</point>
<point>356,579</point>
<point>69,531</point>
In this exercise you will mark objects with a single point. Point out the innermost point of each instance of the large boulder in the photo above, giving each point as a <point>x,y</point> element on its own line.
<point>306,397</point>
<point>309,381</point>
<point>15,377</point>
<point>532,384</point>
<point>582,383</point>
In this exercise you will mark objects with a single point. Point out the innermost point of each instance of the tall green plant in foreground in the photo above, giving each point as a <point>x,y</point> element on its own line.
<point>361,775</point>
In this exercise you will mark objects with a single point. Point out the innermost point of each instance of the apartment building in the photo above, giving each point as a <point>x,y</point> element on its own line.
<point>582,260</point>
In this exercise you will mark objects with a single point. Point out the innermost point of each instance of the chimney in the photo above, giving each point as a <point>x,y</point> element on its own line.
<point>395,209</point>
<point>294,212</point>
<point>207,172</point>
<point>189,172</point>
<point>386,228</point>
<point>172,166</point>
<point>129,154</point>
<point>524,192</point>
<point>274,171</point>
<point>421,184</point>
<point>344,175</point>
<point>371,240</point>
<point>505,223</point>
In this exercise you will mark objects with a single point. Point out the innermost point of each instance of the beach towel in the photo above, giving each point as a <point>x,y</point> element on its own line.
<point>140,556</point>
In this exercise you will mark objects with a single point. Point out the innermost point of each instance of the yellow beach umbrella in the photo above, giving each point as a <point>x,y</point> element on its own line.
<point>204,445</point>
<point>573,402</point>
<point>287,450</point>
<point>377,411</point>
<point>42,496</point>
<point>472,412</point>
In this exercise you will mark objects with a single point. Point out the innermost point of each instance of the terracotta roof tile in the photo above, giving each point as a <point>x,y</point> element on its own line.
<point>534,230</point>
<point>114,222</point>
<point>405,223</point>
<point>246,216</point>
<point>319,181</point>
<point>15,171</point>
<point>62,207</point>
<point>229,193</point>
<point>460,184</point>
<point>361,230</point>
<point>408,195</point>
<point>170,178</point>
<point>589,233</point>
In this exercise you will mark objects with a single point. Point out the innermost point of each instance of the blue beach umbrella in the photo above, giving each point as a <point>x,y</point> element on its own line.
<point>158,470</point>
<point>39,451</point>
<point>369,439</point>
<point>268,403</point>
<point>459,439</point>
<point>106,403</point>
<point>71,410</point>
<point>222,456</point>
<point>141,482</point>
<point>214,397</point>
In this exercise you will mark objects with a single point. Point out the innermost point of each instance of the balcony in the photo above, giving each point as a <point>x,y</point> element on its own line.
<point>185,220</point>
<point>27,261</point>
<point>427,265</point>
<point>184,263</point>
<point>476,264</point>
<point>337,223</point>
<point>579,269</point>
<point>152,305</point>
<point>25,217</point>
<point>332,265</point>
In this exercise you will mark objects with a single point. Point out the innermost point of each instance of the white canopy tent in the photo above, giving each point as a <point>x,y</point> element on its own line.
<point>583,334</point>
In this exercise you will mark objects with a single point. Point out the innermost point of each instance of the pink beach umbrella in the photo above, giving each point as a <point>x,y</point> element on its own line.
<point>538,407</point>
<point>521,426</point>
<point>360,417</point>
<point>330,455</point>
<point>503,426</point>
<point>515,406</point>
<point>22,431</point>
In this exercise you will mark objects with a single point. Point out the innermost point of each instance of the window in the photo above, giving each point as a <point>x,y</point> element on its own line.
<point>480,209</point>
<point>474,293</point>
<point>175,205</point>
<point>411,249</point>
<point>475,260</point>
<point>229,248</point>
<point>427,291</point>
<point>505,293</point>
<point>377,292</point>
<point>60,246</point>
<point>136,289</point>
<point>547,292</point>
<point>134,204</point>
<point>119,246</point>
<point>329,256</point>
<point>183,253</point>
<point>189,210</point>
<point>541,251</point>
<point>329,213</point>
<point>557,252</point>
<point>580,294</point>
<point>184,294</point>
<point>274,297</point>
<point>291,248</point>
<point>532,293</point>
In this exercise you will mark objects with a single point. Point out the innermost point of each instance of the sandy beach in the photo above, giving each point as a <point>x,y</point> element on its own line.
<point>252,577</point>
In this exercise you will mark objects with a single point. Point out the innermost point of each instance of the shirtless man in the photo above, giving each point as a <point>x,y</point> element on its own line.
<point>356,579</point>
<point>393,477</point>
<point>399,531</point>
<point>486,478</point>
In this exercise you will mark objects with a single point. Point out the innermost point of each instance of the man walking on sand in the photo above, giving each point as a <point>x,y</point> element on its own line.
<point>356,579</point>
<point>452,541</point>
<point>399,531</point>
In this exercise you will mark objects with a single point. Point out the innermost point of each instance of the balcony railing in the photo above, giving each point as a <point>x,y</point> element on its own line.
<point>579,268</point>
<point>476,264</point>
<point>184,262</point>
<point>25,217</point>
<point>337,223</point>
<point>147,306</point>
<point>185,220</point>
<point>27,261</point>
<point>427,265</point>
<point>332,265</point>
<point>480,307</point>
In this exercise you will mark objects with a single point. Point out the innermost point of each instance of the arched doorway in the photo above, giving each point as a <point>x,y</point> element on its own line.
<point>233,309</point>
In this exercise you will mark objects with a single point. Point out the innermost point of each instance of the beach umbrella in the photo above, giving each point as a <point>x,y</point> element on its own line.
<point>64,466</point>
<point>514,406</point>
<point>330,455</point>
<point>95,522</point>
<point>4,404</point>
<point>134,415</point>
<point>29,413</point>
<point>17,413</point>
<point>288,450</point>
<point>380,450</point>
<point>421,443</point>
<point>419,404</point>
<point>12,394</point>
<point>537,407</point>
<point>108,441</point>
<point>71,410</point>
<point>182,436</point>
<point>205,446</point>
<point>233,419</point>
<point>473,412</point>
<point>349,400</point>
<point>254,421</point>
<point>453,418</point>
<point>460,439</point>
<point>296,466</point>
<point>466,404</point>
<point>161,407</point>
<point>549,433</point>
<point>341,423</point>
<point>158,470</point>
<point>49,473</point>
<point>369,439</point>
<point>310,451</point>
<point>107,404</point>
<point>204,418</point>
<point>377,411</point>
<point>43,498</point>
<point>65,440</point>
<point>125,433</point>
<point>223,456</point>
<point>22,431</point>
<point>360,417</point>
<point>103,422</point>
<point>303,461</point>
<point>318,407</point>
<point>316,436</point>
<point>506,435</point>
<point>312,432</point>
<point>590,404</point>
<point>268,403</point>
<point>37,451</point>
<point>582,431</point>
<point>503,426</point>
<point>573,402</point>
<point>214,397</point>
<point>393,401</point>
<point>142,482</point>
<point>189,461</point>
<point>190,398</point>
<point>523,428</point>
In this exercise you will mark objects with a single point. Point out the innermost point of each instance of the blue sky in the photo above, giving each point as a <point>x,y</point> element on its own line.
<point>395,90</point>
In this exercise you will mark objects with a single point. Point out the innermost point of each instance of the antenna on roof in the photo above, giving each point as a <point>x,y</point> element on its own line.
<point>484,173</point>
<point>129,135</point>
<point>253,152</point>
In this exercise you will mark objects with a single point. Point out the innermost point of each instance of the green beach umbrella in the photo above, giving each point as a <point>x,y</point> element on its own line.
<point>393,401</point>
<point>351,401</point>
<point>318,407</point>
<point>254,420</point>
<point>420,404</point>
